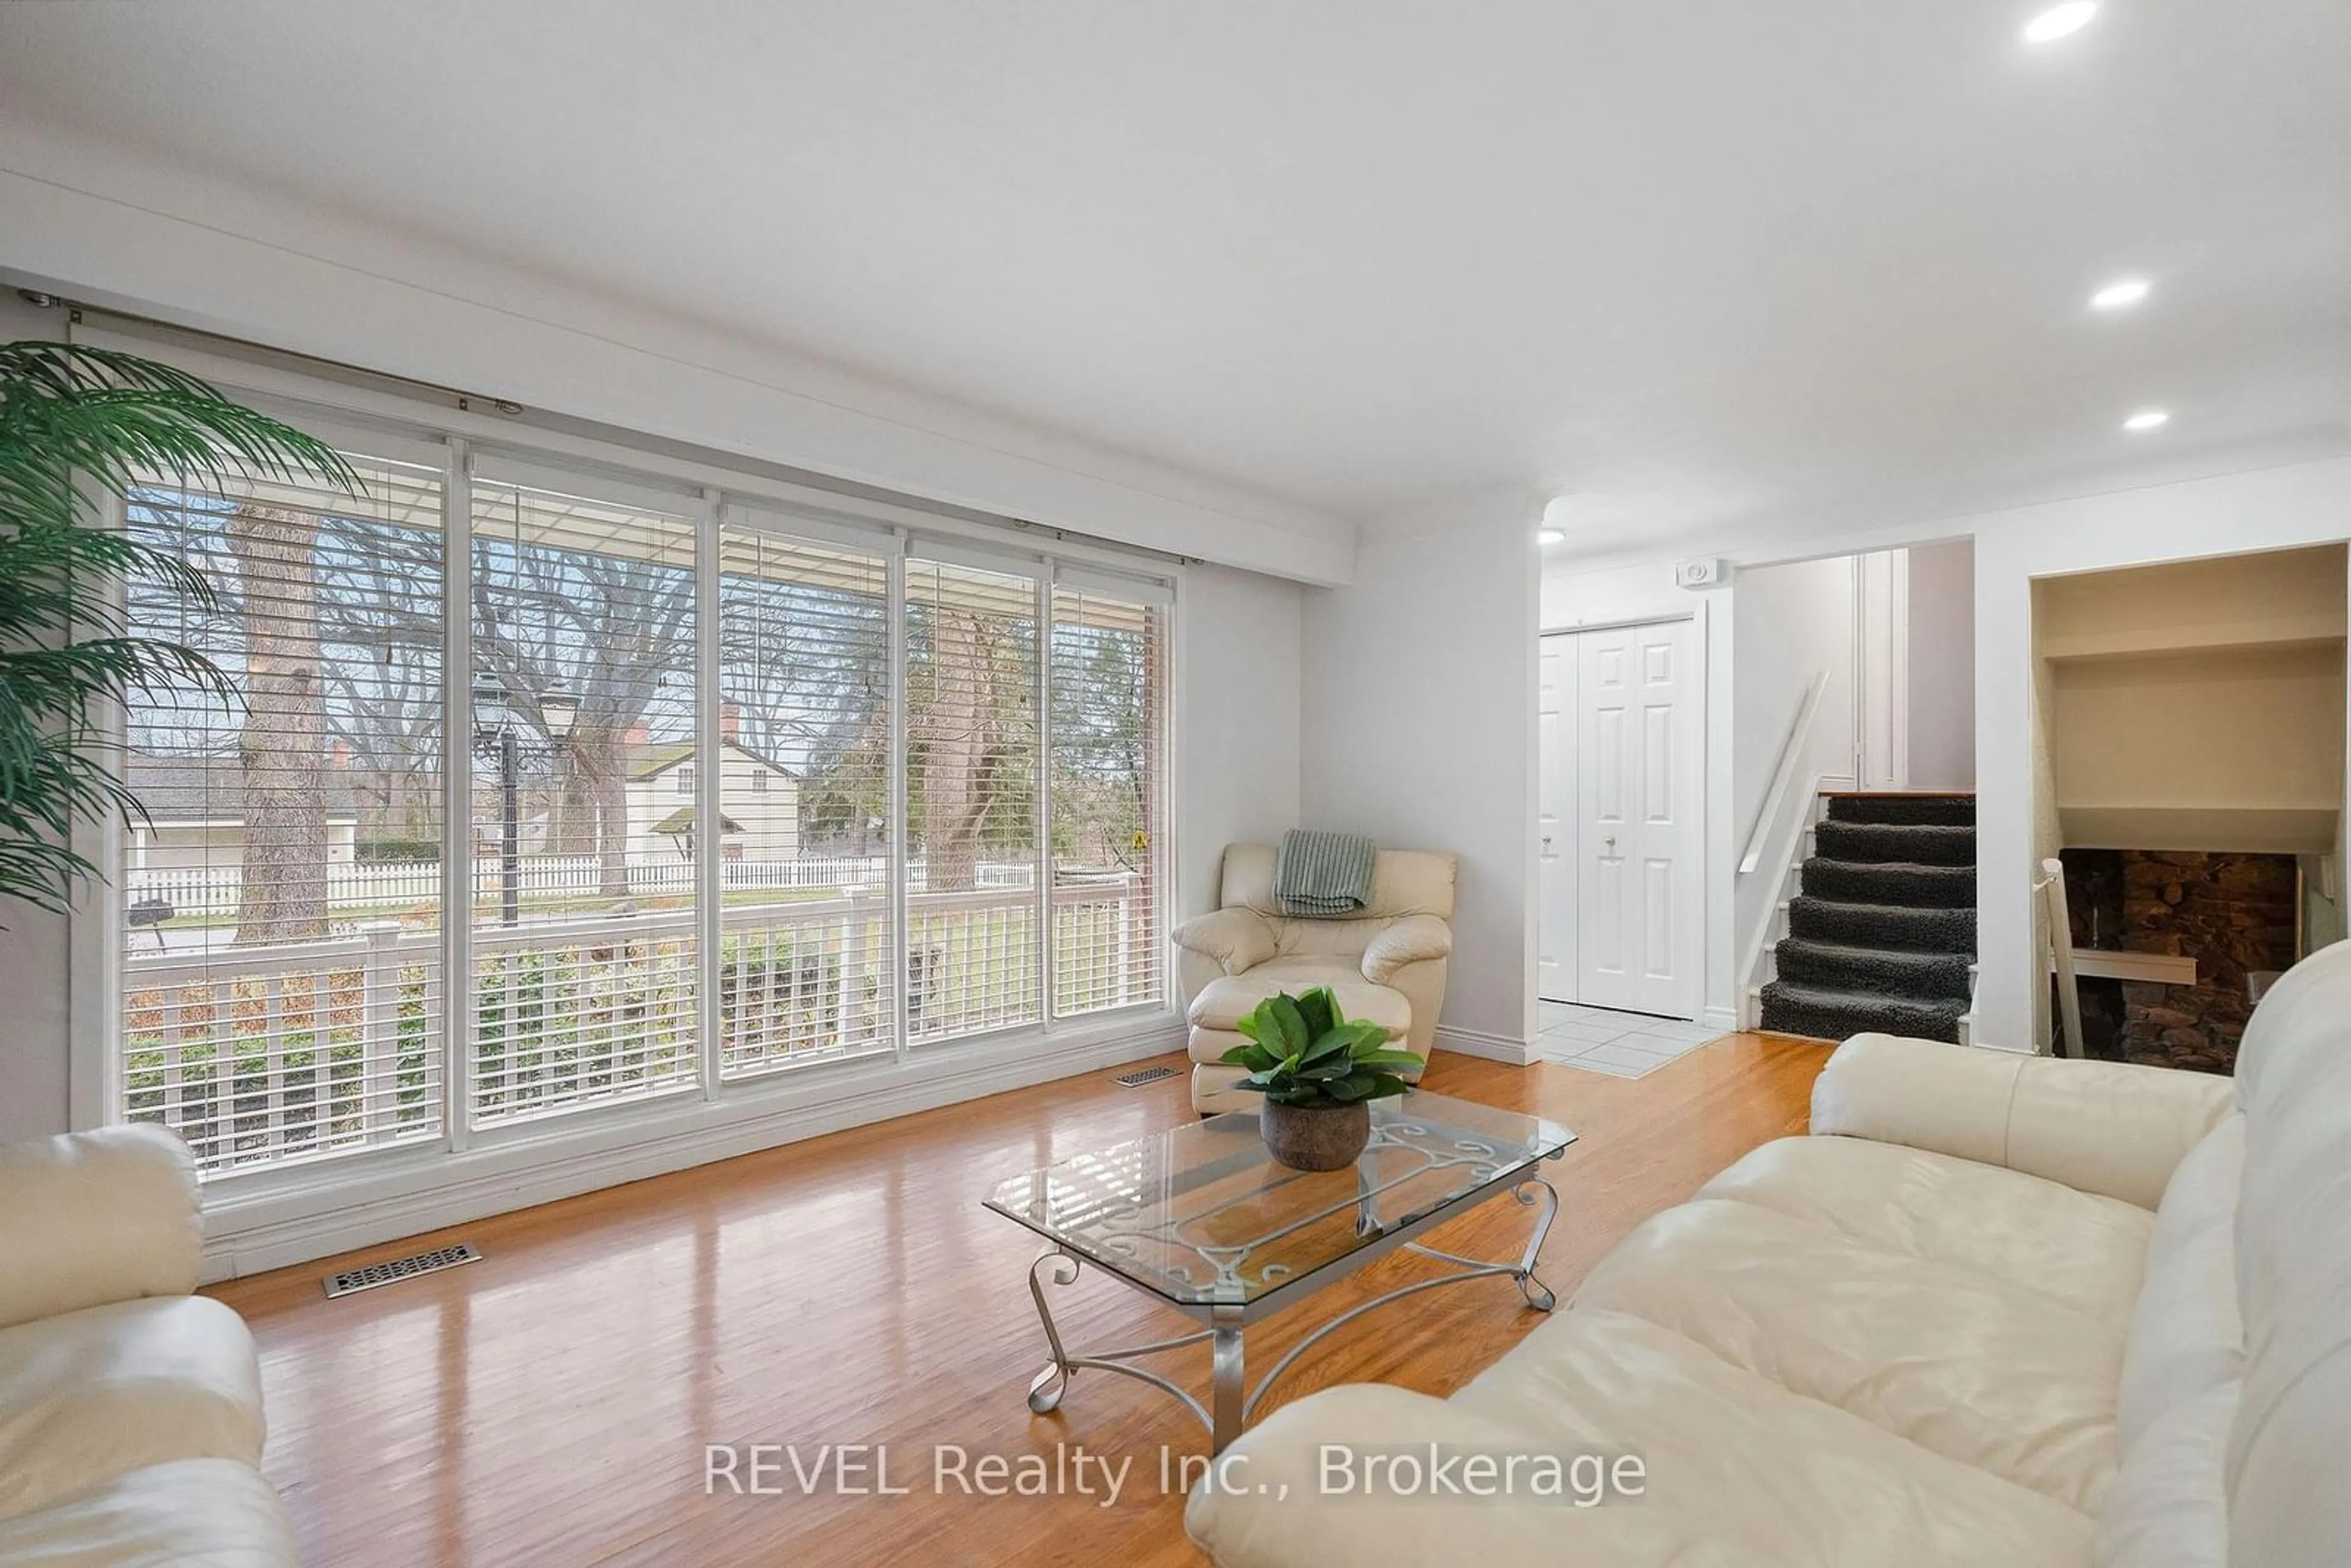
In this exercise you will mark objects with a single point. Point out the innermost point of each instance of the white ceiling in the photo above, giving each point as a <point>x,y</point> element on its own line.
<point>1726,270</point>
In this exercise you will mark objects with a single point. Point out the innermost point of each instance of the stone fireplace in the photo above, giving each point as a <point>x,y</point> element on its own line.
<point>2233,912</point>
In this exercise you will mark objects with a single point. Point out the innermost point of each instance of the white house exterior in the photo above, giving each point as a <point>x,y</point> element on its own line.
<point>758,799</point>
<point>194,815</point>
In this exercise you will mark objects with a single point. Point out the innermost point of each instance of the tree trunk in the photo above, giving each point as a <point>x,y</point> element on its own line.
<point>282,896</point>
<point>575,807</point>
<point>613,832</point>
<point>955,751</point>
<point>593,813</point>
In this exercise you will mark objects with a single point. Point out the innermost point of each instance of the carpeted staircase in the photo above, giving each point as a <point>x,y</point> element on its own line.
<point>1883,933</point>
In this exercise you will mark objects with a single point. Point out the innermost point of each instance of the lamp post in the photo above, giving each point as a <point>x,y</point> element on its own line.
<point>557,710</point>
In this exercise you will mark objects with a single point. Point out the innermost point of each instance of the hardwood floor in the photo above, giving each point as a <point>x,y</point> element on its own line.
<point>551,1405</point>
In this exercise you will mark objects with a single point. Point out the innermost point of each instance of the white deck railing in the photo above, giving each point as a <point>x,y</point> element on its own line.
<point>213,892</point>
<point>263,1055</point>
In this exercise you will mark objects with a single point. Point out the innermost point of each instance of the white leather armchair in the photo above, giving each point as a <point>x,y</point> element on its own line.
<point>1385,963</point>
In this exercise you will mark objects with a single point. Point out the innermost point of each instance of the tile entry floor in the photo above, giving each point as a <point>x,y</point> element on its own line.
<point>1623,1045</point>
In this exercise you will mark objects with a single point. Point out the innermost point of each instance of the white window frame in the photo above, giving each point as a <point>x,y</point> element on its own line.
<point>274,1215</point>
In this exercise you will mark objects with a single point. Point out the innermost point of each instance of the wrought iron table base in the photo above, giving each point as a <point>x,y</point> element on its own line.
<point>1231,1401</point>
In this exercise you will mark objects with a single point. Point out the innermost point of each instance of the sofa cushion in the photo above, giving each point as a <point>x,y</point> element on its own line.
<point>90,1396</point>
<point>1223,1003</point>
<point>1954,1359</point>
<point>2078,1248</point>
<point>1740,1473</point>
<point>190,1513</point>
<point>1790,1478</point>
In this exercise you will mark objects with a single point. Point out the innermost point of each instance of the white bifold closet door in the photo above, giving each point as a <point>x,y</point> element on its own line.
<point>1635,823</point>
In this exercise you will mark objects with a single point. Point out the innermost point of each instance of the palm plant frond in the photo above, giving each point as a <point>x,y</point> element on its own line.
<point>77,424</point>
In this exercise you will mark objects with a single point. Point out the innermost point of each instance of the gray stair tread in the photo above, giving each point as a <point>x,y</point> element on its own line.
<point>1929,843</point>
<point>1847,909</point>
<point>1918,957</point>
<point>1919,807</point>
<point>1953,872</point>
<point>1909,974</point>
<point>1824,1014</point>
<point>1823,997</point>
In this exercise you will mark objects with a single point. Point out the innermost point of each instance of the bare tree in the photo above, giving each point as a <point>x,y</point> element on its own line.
<point>950,728</point>
<point>380,631</point>
<point>609,630</point>
<point>283,895</point>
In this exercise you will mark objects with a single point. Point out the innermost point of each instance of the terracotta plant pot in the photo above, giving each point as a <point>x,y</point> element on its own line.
<point>1315,1137</point>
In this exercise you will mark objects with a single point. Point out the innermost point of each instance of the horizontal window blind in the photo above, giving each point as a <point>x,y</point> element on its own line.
<point>974,959</point>
<point>585,951</point>
<point>738,792</point>
<point>283,993</point>
<point>805,971</point>
<point>1108,767</point>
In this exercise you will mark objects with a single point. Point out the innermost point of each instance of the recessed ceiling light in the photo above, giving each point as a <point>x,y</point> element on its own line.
<point>2121,295</point>
<point>1550,536</point>
<point>2147,419</point>
<point>2059,21</point>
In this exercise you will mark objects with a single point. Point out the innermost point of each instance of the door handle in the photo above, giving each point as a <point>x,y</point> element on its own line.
<point>1546,841</point>
<point>1611,840</point>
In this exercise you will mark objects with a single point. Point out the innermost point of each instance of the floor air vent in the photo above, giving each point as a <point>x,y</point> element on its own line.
<point>1144,1075</point>
<point>399,1269</point>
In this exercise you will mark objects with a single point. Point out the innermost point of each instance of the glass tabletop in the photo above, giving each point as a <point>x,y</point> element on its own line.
<point>1203,1215</point>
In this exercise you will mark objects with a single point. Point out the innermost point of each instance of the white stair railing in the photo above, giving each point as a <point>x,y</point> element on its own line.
<point>1767,825</point>
<point>2060,955</point>
<point>1783,772</point>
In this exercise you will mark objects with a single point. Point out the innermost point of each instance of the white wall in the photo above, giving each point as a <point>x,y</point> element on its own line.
<point>1795,624</point>
<point>1942,596</point>
<point>1238,675</point>
<point>33,1060</point>
<point>33,1057</point>
<point>1572,599</point>
<point>1419,726</point>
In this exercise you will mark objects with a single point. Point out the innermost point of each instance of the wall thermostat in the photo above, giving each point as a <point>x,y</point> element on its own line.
<point>1701,573</point>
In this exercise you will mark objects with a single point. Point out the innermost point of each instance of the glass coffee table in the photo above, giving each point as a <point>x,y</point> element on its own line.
<point>1203,1220</point>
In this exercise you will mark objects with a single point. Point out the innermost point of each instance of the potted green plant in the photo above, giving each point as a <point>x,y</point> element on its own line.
<point>76,423</point>
<point>1318,1074</point>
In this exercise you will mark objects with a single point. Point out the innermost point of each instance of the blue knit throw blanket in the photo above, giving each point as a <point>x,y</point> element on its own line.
<point>1323,875</point>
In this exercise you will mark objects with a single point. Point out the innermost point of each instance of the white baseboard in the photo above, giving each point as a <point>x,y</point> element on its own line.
<point>366,1200</point>
<point>1501,1047</point>
<point>1723,1019</point>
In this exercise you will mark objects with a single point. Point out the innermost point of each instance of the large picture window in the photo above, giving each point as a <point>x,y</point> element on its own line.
<point>973,959</point>
<point>1107,788</point>
<point>579,798</point>
<point>285,993</point>
<point>806,972</point>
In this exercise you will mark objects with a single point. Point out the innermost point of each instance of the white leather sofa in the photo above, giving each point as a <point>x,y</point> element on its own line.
<point>131,1419</point>
<point>1384,963</point>
<point>1997,1310</point>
